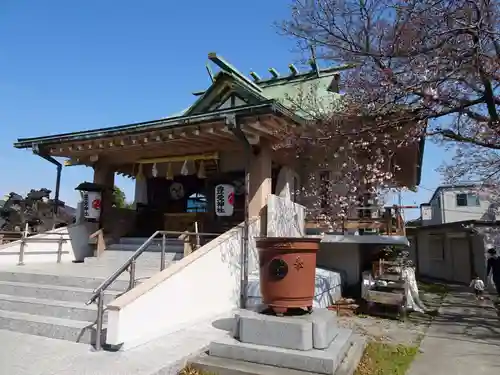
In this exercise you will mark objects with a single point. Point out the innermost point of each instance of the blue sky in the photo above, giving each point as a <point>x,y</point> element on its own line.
<point>71,65</point>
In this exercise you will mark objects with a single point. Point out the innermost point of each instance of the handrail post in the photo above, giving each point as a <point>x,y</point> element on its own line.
<point>163,246</point>
<point>99,321</point>
<point>21,252</point>
<point>22,246</point>
<point>59,249</point>
<point>131,283</point>
<point>197,235</point>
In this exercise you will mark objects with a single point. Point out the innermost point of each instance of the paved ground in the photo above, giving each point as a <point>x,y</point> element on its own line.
<point>34,355</point>
<point>393,331</point>
<point>464,339</point>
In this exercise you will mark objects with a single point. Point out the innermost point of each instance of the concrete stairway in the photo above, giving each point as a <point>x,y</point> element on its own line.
<point>49,300</point>
<point>51,305</point>
<point>118,253</point>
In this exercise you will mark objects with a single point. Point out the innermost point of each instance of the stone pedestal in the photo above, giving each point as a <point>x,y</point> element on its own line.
<point>317,361</point>
<point>316,330</point>
<point>311,343</point>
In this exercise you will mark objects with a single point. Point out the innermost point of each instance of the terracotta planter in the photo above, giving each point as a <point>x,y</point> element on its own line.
<point>287,272</point>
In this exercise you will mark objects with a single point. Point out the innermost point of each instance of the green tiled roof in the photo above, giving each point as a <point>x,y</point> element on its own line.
<point>304,94</point>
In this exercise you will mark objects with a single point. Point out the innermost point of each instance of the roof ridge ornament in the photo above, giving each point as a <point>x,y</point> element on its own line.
<point>274,73</point>
<point>255,76</point>
<point>293,70</point>
<point>227,67</point>
<point>313,62</point>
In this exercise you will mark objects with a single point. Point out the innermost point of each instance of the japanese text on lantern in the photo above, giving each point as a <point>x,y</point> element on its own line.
<point>224,200</point>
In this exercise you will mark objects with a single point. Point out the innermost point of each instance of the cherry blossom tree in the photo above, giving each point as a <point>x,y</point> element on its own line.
<point>418,66</point>
<point>358,154</point>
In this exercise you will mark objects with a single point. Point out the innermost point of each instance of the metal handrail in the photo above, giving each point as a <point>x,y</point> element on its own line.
<point>26,239</point>
<point>98,293</point>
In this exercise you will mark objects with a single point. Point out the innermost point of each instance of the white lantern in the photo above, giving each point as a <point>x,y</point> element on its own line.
<point>224,200</point>
<point>91,205</point>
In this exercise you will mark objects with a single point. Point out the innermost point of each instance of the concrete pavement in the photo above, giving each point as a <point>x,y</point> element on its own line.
<point>464,339</point>
<point>34,355</point>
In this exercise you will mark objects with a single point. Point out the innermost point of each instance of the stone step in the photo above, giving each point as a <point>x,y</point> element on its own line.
<point>137,240</point>
<point>115,258</point>
<point>57,328</point>
<point>51,292</point>
<point>62,280</point>
<point>177,247</point>
<point>140,240</point>
<point>226,366</point>
<point>319,361</point>
<point>353,356</point>
<point>147,266</point>
<point>45,307</point>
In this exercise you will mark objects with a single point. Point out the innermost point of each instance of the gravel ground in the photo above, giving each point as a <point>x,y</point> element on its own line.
<point>393,331</point>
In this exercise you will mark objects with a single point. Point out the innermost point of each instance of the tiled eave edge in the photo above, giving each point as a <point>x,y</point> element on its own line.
<point>168,123</point>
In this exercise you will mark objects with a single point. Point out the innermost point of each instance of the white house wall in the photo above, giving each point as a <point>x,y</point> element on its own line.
<point>453,213</point>
<point>437,210</point>
<point>449,212</point>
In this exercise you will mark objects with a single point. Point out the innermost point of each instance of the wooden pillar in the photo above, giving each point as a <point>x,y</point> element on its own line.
<point>105,175</point>
<point>260,180</point>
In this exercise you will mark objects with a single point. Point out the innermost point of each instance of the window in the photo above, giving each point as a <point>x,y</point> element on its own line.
<point>197,203</point>
<point>467,200</point>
